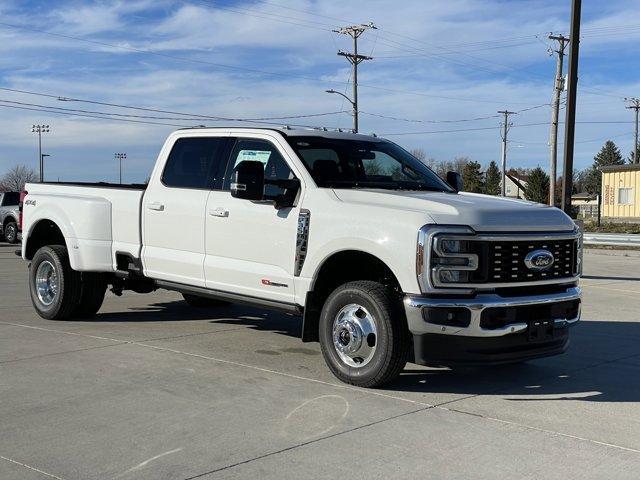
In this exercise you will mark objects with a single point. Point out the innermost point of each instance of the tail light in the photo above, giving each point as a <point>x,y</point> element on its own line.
<point>20,208</point>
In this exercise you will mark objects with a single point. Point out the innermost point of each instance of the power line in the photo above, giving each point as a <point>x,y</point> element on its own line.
<point>188,115</point>
<point>197,117</point>
<point>413,120</point>
<point>90,116</point>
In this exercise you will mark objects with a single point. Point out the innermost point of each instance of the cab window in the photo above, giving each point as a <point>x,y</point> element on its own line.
<point>275,167</point>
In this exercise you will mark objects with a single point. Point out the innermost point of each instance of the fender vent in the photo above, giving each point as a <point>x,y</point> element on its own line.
<point>302,240</point>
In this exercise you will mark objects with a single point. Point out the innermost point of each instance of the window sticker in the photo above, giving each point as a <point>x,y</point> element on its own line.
<point>261,156</point>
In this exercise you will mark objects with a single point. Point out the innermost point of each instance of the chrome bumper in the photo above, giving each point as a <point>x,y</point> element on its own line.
<point>414,304</point>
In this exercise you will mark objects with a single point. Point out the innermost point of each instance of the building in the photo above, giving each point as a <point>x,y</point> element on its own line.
<point>515,185</point>
<point>586,204</point>
<point>621,193</point>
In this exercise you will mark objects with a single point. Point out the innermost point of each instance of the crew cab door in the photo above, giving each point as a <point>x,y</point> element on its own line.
<point>174,208</point>
<point>250,246</point>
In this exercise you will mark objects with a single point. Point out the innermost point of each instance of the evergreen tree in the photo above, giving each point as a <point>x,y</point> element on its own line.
<point>492,186</point>
<point>609,154</point>
<point>538,186</point>
<point>472,177</point>
<point>592,181</point>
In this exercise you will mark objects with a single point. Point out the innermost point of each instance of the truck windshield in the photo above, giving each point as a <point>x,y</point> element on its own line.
<point>343,163</point>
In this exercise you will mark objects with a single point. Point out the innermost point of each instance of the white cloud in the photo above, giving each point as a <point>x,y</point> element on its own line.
<point>449,76</point>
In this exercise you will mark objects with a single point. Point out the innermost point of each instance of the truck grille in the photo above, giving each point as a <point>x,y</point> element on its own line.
<point>505,261</point>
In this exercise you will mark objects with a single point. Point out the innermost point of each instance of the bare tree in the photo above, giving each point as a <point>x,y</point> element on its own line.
<point>419,153</point>
<point>14,179</point>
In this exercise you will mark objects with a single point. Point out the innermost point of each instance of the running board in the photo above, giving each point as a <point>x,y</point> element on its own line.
<point>230,297</point>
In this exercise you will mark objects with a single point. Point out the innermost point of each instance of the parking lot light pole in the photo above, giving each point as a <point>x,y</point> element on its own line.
<point>40,129</point>
<point>42,155</point>
<point>120,157</point>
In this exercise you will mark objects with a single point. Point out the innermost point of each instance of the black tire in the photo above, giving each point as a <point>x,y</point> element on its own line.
<point>11,232</point>
<point>392,339</point>
<point>203,302</point>
<point>68,286</point>
<point>94,286</point>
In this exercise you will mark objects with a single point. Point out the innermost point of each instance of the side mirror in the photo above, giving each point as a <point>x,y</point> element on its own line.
<point>454,179</point>
<point>247,181</point>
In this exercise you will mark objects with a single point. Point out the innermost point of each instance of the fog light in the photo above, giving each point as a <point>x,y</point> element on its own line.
<point>452,317</point>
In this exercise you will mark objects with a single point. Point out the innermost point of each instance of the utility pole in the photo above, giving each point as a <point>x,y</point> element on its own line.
<point>570,121</point>
<point>120,157</point>
<point>555,113</point>
<point>40,129</point>
<point>505,130</point>
<point>355,59</point>
<point>635,105</point>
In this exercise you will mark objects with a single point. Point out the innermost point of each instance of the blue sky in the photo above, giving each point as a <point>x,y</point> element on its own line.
<point>435,63</point>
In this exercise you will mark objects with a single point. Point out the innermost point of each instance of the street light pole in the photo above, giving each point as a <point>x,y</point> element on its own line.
<point>120,157</point>
<point>354,108</point>
<point>40,129</point>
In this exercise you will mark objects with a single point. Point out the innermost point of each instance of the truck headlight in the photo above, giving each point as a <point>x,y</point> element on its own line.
<point>452,260</point>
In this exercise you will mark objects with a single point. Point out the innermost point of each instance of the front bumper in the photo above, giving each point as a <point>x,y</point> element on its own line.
<point>491,328</point>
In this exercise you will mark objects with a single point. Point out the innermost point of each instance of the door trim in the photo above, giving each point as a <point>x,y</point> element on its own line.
<point>231,297</point>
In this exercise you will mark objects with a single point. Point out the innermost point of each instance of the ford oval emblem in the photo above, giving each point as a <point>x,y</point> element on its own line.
<point>539,260</point>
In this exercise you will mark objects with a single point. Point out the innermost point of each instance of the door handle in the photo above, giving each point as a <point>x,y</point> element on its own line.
<point>155,206</point>
<point>219,212</point>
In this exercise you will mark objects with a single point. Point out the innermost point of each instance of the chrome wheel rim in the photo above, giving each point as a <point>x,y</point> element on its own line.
<point>46,283</point>
<point>354,335</point>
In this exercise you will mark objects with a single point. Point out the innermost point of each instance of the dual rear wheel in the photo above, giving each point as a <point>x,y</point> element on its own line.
<point>58,292</point>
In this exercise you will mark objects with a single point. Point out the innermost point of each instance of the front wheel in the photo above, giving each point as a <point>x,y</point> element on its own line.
<point>11,232</point>
<point>363,334</point>
<point>55,287</point>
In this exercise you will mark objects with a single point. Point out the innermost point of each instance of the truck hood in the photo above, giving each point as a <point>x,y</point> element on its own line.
<point>480,212</point>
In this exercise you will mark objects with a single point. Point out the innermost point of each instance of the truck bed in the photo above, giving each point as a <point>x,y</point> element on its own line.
<point>97,219</point>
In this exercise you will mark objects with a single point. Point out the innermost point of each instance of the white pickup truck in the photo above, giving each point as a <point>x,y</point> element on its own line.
<point>385,262</point>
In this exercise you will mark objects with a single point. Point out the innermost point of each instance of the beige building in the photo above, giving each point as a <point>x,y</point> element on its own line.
<point>515,186</point>
<point>586,203</point>
<point>621,192</point>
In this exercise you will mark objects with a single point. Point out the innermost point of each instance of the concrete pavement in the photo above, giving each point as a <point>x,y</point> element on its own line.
<point>153,389</point>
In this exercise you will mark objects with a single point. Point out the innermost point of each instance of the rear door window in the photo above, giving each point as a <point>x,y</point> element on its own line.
<point>196,163</point>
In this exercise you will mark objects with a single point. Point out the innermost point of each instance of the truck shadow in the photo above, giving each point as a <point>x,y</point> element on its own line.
<point>179,311</point>
<point>602,364</point>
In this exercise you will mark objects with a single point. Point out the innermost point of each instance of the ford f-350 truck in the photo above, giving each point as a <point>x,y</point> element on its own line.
<point>384,261</point>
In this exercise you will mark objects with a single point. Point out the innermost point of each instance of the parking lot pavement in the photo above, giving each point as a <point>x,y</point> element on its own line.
<point>153,389</point>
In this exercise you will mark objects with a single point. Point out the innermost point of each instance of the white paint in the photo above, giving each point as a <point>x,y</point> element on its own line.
<point>141,465</point>
<point>50,475</point>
